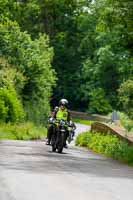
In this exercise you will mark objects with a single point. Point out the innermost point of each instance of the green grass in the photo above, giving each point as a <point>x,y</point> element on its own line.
<point>109,145</point>
<point>82,121</point>
<point>25,131</point>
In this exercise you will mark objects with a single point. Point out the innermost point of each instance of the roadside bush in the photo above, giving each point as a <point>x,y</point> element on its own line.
<point>11,109</point>
<point>108,144</point>
<point>83,139</point>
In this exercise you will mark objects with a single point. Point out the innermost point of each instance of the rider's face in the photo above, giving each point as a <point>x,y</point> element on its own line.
<point>62,107</point>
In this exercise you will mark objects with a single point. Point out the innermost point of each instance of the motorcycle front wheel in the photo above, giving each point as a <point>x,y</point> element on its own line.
<point>53,143</point>
<point>61,142</point>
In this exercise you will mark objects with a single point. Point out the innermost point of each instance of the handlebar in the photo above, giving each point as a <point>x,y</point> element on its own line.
<point>61,122</point>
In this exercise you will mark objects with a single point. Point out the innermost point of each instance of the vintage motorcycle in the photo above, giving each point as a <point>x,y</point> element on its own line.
<point>59,135</point>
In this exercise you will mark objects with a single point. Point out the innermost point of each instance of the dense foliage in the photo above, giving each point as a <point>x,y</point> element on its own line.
<point>26,67</point>
<point>126,97</point>
<point>109,145</point>
<point>10,106</point>
<point>126,122</point>
<point>92,53</point>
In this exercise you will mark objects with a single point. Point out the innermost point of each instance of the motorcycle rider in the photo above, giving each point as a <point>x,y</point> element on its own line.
<point>60,112</point>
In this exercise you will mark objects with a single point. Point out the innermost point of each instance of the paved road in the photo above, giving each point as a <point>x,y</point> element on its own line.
<point>30,171</point>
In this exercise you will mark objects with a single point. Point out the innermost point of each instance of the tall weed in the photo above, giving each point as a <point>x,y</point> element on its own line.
<point>23,131</point>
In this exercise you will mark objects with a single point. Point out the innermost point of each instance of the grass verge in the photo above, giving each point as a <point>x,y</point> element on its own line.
<point>25,131</point>
<point>109,145</point>
<point>82,121</point>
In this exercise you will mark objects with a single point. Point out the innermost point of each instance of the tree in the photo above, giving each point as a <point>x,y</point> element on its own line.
<point>110,60</point>
<point>32,59</point>
<point>92,42</point>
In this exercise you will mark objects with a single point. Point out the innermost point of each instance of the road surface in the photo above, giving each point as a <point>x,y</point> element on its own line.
<point>30,171</point>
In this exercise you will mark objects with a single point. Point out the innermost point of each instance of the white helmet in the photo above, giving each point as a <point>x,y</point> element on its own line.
<point>63,102</point>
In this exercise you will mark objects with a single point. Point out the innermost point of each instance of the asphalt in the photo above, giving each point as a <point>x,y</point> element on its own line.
<point>29,170</point>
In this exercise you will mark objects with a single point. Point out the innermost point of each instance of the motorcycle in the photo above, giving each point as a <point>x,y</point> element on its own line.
<point>59,136</point>
<point>71,129</point>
